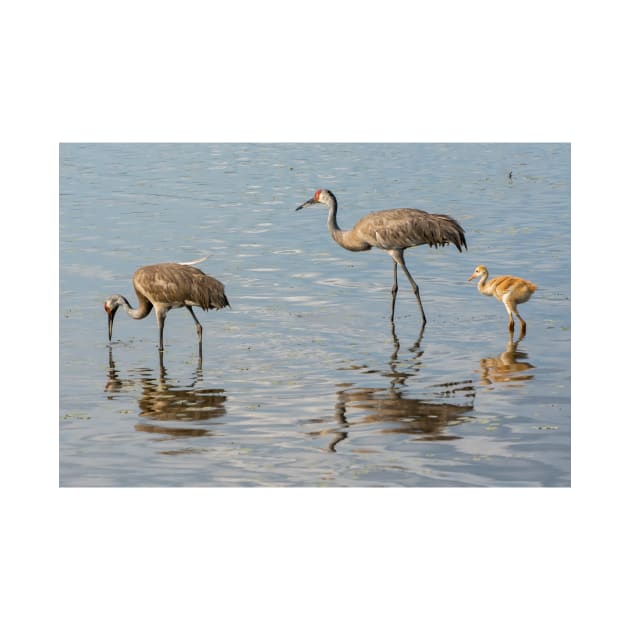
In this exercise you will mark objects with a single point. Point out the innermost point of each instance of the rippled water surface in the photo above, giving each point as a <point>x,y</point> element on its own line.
<point>304,382</point>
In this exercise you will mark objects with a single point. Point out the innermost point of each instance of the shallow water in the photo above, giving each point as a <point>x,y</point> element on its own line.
<point>304,382</point>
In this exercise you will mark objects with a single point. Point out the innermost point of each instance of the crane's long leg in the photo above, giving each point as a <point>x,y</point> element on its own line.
<point>160,314</point>
<point>394,289</point>
<point>198,326</point>
<point>398,257</point>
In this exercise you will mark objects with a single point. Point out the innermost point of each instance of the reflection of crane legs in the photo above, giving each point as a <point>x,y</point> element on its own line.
<point>340,434</point>
<point>415,348</point>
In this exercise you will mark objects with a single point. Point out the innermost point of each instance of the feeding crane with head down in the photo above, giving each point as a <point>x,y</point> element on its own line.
<point>166,286</point>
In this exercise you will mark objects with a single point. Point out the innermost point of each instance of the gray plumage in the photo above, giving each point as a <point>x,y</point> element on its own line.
<point>166,286</point>
<point>393,231</point>
<point>179,285</point>
<point>408,227</point>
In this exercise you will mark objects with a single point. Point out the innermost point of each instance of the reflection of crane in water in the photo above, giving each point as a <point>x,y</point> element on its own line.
<point>392,407</point>
<point>162,401</point>
<point>393,231</point>
<point>166,286</point>
<point>509,366</point>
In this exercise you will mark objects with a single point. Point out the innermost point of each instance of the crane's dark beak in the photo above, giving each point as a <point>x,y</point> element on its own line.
<point>110,320</point>
<point>310,202</point>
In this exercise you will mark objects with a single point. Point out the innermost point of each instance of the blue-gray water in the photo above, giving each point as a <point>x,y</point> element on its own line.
<point>303,381</point>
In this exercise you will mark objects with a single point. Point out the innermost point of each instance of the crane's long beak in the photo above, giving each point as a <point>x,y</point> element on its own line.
<point>110,321</point>
<point>471,277</point>
<point>310,202</point>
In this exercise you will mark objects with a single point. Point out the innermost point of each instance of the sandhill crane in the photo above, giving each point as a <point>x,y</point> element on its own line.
<point>394,231</point>
<point>507,289</point>
<point>166,286</point>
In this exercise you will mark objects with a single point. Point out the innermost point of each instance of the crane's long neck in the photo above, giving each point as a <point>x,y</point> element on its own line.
<point>345,238</point>
<point>333,226</point>
<point>144,307</point>
<point>483,287</point>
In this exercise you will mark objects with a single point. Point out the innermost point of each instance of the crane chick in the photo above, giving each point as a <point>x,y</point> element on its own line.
<point>507,289</point>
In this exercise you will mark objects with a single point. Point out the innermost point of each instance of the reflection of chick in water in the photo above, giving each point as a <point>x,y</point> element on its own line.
<point>507,366</point>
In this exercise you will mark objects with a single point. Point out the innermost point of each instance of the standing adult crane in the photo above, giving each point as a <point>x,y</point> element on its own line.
<point>166,286</point>
<point>394,231</point>
<point>507,289</point>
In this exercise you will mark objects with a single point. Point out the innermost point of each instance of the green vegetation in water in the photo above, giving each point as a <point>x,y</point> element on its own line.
<point>76,416</point>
